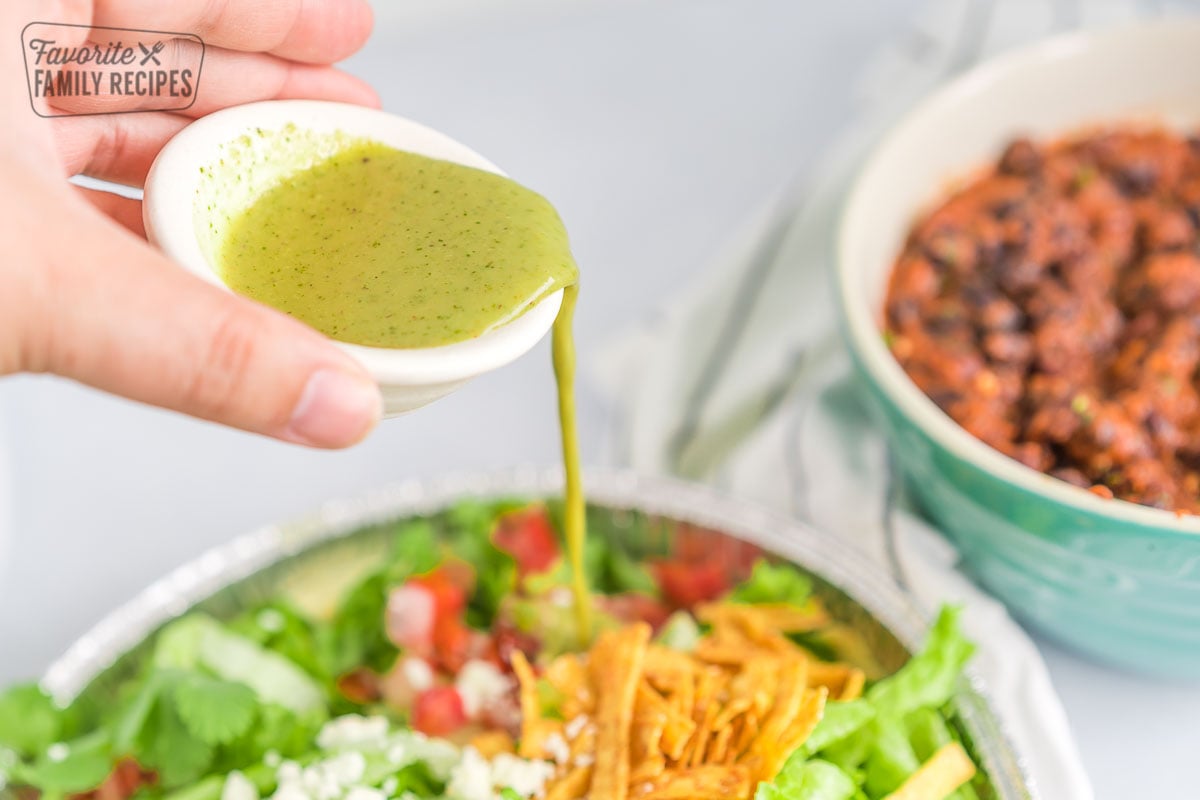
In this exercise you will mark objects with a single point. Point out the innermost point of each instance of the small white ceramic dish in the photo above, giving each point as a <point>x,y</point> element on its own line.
<point>214,168</point>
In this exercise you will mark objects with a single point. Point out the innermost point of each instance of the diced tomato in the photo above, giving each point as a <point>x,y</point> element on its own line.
<point>451,643</point>
<point>634,607</point>
<point>360,686</point>
<point>411,611</point>
<point>438,711</point>
<point>686,585</point>
<point>529,538</point>
<point>450,598</point>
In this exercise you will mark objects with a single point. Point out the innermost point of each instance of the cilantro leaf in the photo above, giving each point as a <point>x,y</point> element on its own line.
<point>178,756</point>
<point>214,711</point>
<point>136,714</point>
<point>357,635</point>
<point>84,767</point>
<point>29,720</point>
<point>773,583</point>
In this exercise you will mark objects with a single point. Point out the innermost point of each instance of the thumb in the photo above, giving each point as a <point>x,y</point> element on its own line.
<point>118,315</point>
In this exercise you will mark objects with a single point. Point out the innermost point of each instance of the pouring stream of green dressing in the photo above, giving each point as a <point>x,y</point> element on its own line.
<point>379,247</point>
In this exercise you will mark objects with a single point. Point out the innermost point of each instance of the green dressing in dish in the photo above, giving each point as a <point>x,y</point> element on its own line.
<point>376,246</point>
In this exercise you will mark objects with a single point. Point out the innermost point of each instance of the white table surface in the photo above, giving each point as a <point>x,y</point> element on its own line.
<point>655,126</point>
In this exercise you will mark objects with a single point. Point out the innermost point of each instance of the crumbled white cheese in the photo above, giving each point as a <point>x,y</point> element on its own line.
<point>353,732</point>
<point>417,672</point>
<point>471,778</point>
<point>390,785</point>
<point>526,778</point>
<point>573,728</point>
<point>480,684</point>
<point>272,759</point>
<point>238,787</point>
<point>475,778</point>
<point>323,780</point>
<point>290,791</point>
<point>287,772</point>
<point>57,752</point>
<point>584,760</point>
<point>557,748</point>
<point>365,793</point>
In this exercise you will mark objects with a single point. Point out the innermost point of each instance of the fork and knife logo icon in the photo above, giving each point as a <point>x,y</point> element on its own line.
<point>151,53</point>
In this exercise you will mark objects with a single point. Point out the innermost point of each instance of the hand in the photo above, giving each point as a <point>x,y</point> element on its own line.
<point>84,296</point>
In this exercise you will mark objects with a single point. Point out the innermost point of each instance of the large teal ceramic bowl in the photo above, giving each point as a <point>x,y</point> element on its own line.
<point>1113,579</point>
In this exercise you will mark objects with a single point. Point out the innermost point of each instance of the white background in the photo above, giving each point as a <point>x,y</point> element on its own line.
<point>655,127</point>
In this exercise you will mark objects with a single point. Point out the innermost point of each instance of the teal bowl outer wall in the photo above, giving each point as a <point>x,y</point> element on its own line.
<point>1125,593</point>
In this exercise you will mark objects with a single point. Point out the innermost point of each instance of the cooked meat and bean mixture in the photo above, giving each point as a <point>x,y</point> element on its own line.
<point>1052,308</point>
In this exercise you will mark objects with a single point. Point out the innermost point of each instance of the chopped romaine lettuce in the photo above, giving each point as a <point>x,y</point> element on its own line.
<point>773,583</point>
<point>808,780</point>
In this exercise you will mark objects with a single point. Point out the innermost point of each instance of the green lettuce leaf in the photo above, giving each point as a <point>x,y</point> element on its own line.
<point>808,780</point>
<point>841,720</point>
<point>29,720</point>
<point>773,583</point>
<point>929,678</point>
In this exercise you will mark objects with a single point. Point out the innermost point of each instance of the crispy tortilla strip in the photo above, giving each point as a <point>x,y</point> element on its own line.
<point>762,618</point>
<point>664,665</point>
<point>616,671</point>
<point>531,711</point>
<point>649,721</point>
<point>749,732</point>
<point>648,771</point>
<point>738,704</point>
<point>535,735</point>
<point>852,689</point>
<point>811,709</point>
<point>708,683</point>
<point>843,681</point>
<point>675,728</point>
<point>492,743</point>
<point>758,680</point>
<point>571,786</point>
<point>710,782</point>
<point>568,676</point>
<point>719,749</point>
<point>946,770</point>
<point>792,681</point>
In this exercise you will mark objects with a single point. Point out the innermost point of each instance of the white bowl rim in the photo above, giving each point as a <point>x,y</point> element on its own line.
<point>168,210</point>
<point>863,332</point>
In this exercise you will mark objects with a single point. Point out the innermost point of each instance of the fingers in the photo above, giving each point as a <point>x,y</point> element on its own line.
<point>125,211</point>
<point>229,77</point>
<point>121,147</point>
<point>313,31</point>
<point>116,147</point>
<point>232,78</point>
<point>128,321</point>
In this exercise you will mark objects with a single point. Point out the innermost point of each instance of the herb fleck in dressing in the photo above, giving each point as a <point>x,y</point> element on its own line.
<point>379,247</point>
<point>376,246</point>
